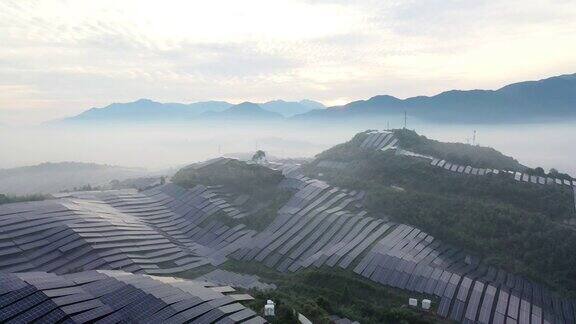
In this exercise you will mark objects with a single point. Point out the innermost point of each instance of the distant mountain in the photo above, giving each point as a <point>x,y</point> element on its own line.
<point>533,101</point>
<point>291,108</point>
<point>48,178</point>
<point>146,110</point>
<point>245,111</point>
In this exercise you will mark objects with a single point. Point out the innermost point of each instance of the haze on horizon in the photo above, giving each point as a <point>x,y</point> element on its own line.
<point>59,58</point>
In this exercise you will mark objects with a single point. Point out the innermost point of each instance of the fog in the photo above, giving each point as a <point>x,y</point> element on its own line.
<point>161,147</point>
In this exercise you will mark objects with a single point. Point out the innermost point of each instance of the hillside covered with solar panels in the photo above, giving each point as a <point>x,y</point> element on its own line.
<point>350,236</point>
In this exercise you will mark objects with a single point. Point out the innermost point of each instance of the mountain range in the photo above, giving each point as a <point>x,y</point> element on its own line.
<point>550,99</point>
<point>531,101</point>
<point>146,110</point>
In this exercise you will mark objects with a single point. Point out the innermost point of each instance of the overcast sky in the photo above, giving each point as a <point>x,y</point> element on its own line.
<point>61,57</point>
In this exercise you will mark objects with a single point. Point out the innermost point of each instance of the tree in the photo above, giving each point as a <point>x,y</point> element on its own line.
<point>539,171</point>
<point>553,172</point>
<point>259,156</point>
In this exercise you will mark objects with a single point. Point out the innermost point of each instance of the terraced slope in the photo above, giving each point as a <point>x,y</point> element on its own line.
<point>159,231</point>
<point>114,297</point>
<point>170,229</point>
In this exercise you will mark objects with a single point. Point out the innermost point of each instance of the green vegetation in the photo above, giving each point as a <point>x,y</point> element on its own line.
<point>4,199</point>
<point>237,176</point>
<point>258,182</point>
<point>319,293</point>
<point>520,227</point>
<point>463,154</point>
<point>259,156</point>
<point>266,211</point>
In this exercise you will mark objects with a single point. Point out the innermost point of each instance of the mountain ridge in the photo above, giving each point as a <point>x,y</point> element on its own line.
<point>243,111</point>
<point>549,99</point>
<point>147,110</point>
<point>541,100</point>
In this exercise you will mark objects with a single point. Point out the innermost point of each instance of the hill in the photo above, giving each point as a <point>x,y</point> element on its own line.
<point>241,177</point>
<point>245,111</point>
<point>147,110</point>
<point>327,247</point>
<point>291,108</point>
<point>523,227</point>
<point>48,178</point>
<point>551,99</point>
<point>254,188</point>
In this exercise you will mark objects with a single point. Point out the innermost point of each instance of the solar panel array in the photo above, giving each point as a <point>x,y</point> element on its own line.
<point>384,140</point>
<point>379,140</point>
<point>338,320</point>
<point>469,292</point>
<point>328,164</point>
<point>518,176</point>
<point>464,169</point>
<point>169,229</point>
<point>320,225</point>
<point>114,297</point>
<point>404,257</point>
<point>223,277</point>
<point>163,230</point>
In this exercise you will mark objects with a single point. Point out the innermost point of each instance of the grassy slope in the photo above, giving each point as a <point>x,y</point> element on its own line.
<point>259,182</point>
<point>235,175</point>
<point>464,154</point>
<point>315,293</point>
<point>513,225</point>
<point>323,292</point>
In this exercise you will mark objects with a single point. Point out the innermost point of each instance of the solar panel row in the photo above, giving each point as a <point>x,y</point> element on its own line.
<point>168,229</point>
<point>523,177</point>
<point>381,140</point>
<point>328,164</point>
<point>469,292</point>
<point>159,231</point>
<point>115,296</point>
<point>223,277</point>
<point>318,225</point>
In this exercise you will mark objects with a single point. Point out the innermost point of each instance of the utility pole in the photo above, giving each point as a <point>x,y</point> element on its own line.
<point>404,119</point>
<point>474,138</point>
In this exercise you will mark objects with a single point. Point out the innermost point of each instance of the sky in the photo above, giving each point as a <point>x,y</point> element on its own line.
<point>58,58</point>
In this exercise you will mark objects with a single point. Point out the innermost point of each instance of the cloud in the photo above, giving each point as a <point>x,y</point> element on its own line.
<point>61,57</point>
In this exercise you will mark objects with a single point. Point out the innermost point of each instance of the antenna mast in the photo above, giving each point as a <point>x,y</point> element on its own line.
<point>404,119</point>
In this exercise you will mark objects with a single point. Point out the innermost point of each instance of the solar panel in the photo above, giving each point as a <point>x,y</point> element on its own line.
<point>541,180</point>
